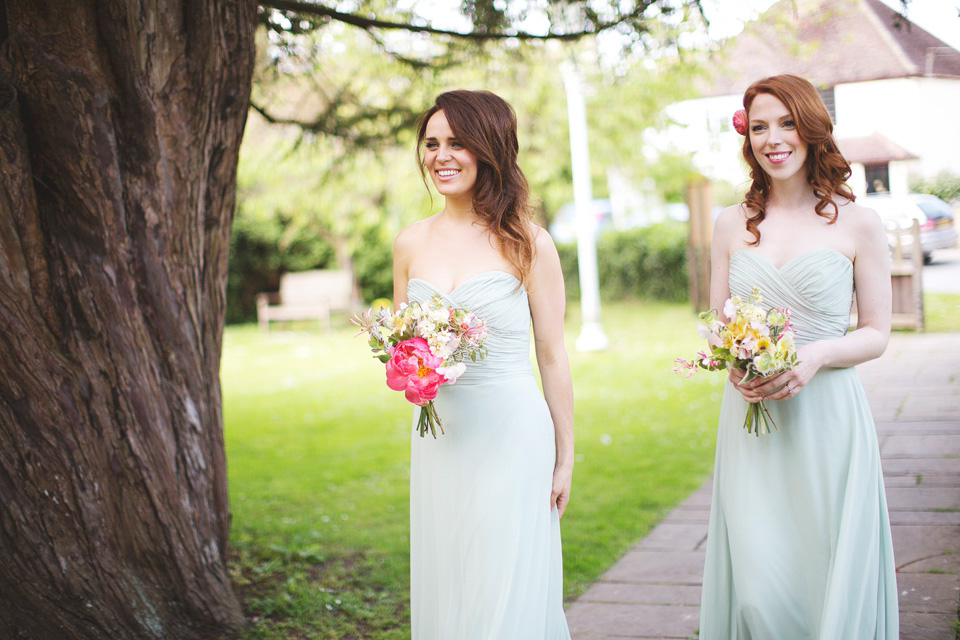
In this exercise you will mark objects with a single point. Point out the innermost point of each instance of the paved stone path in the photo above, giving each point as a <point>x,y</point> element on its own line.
<point>653,592</point>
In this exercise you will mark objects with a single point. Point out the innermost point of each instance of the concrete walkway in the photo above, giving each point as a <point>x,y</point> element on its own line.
<point>914,391</point>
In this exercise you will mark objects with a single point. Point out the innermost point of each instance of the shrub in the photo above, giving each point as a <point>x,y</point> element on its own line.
<point>261,248</point>
<point>945,185</point>
<point>373,264</point>
<point>640,263</point>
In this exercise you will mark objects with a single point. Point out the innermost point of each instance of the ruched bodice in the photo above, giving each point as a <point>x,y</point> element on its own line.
<point>485,559</point>
<point>816,286</point>
<point>799,543</point>
<point>494,296</point>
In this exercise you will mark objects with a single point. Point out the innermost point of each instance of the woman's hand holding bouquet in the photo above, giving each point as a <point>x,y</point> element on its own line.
<point>756,341</point>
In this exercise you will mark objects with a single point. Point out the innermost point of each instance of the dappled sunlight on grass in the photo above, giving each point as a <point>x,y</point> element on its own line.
<point>318,459</point>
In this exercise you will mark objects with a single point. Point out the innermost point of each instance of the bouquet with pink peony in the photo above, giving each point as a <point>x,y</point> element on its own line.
<point>757,340</point>
<point>424,347</point>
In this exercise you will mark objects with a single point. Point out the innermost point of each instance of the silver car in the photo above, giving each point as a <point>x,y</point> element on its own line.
<point>937,229</point>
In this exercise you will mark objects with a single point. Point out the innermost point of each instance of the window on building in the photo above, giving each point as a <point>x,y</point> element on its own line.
<point>827,96</point>
<point>878,178</point>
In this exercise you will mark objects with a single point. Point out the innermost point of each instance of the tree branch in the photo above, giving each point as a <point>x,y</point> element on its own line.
<point>345,128</point>
<point>370,23</point>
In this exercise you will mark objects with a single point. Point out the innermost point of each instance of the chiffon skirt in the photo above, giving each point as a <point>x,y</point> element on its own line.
<point>799,541</point>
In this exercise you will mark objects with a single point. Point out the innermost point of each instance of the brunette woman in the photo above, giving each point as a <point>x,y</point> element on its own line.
<point>487,495</point>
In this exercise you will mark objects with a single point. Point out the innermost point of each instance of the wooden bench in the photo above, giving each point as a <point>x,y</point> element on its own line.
<point>906,279</point>
<point>308,295</point>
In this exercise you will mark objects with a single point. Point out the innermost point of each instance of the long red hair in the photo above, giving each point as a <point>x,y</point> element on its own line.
<point>486,125</point>
<point>827,169</point>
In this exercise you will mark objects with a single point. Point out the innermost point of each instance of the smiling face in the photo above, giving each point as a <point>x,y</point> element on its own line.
<point>451,166</point>
<point>774,139</point>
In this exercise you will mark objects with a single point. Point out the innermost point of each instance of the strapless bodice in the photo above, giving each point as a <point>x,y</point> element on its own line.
<point>494,296</point>
<point>816,286</point>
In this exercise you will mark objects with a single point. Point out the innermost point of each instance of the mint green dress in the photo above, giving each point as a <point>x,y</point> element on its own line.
<point>799,541</point>
<point>485,559</point>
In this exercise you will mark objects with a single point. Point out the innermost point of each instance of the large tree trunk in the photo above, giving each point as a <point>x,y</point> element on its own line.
<point>120,124</point>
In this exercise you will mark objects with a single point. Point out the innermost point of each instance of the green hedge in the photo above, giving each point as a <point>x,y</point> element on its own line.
<point>261,249</point>
<point>945,185</point>
<point>640,263</point>
<point>373,264</point>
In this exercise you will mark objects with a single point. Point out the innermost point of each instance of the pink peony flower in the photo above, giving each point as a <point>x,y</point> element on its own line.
<point>412,369</point>
<point>740,122</point>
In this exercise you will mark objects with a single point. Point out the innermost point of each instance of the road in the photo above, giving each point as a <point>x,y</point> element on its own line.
<point>943,274</point>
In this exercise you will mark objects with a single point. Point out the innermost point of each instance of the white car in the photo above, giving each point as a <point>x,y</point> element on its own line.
<point>937,229</point>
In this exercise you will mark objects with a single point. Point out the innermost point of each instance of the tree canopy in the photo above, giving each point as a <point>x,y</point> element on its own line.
<point>336,165</point>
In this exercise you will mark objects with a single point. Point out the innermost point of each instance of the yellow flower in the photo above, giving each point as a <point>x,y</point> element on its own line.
<point>785,346</point>
<point>736,328</point>
<point>728,338</point>
<point>395,324</point>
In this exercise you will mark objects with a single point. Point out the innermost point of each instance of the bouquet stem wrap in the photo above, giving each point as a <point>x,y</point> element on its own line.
<point>429,420</point>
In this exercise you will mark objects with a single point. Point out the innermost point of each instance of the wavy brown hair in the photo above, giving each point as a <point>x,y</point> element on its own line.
<point>487,127</point>
<point>827,169</point>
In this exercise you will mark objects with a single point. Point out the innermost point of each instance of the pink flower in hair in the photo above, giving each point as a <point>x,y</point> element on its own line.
<point>740,122</point>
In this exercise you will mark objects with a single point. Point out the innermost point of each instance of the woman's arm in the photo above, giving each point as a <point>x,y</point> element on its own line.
<point>871,276</point>
<point>726,231</point>
<point>401,266</point>
<point>547,304</point>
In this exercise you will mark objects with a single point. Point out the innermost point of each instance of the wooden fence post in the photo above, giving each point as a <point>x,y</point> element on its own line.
<point>906,276</point>
<point>700,202</point>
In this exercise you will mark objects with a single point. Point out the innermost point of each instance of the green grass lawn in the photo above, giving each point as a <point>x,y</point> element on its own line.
<point>318,455</point>
<point>941,311</point>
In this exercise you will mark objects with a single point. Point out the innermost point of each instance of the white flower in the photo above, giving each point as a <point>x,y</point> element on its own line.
<point>440,348</point>
<point>452,372</point>
<point>452,340</point>
<point>729,308</point>
<point>766,363</point>
<point>759,326</point>
<point>426,328</point>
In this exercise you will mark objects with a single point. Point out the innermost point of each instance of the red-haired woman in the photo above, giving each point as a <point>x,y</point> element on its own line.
<point>486,496</point>
<point>799,543</point>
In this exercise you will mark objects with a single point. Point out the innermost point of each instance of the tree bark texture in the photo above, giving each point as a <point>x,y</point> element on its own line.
<point>120,124</point>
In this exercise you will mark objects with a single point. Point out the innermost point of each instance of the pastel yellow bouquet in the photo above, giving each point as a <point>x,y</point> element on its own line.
<point>759,341</point>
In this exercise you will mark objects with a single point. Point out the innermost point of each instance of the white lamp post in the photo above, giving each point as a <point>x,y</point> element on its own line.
<point>592,337</point>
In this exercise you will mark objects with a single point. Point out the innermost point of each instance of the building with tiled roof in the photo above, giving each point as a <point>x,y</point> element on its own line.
<point>892,88</point>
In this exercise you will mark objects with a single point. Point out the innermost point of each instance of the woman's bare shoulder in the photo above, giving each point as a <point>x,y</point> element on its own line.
<point>412,235</point>
<point>733,216</point>
<point>857,215</point>
<point>541,237</point>
<point>731,223</point>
